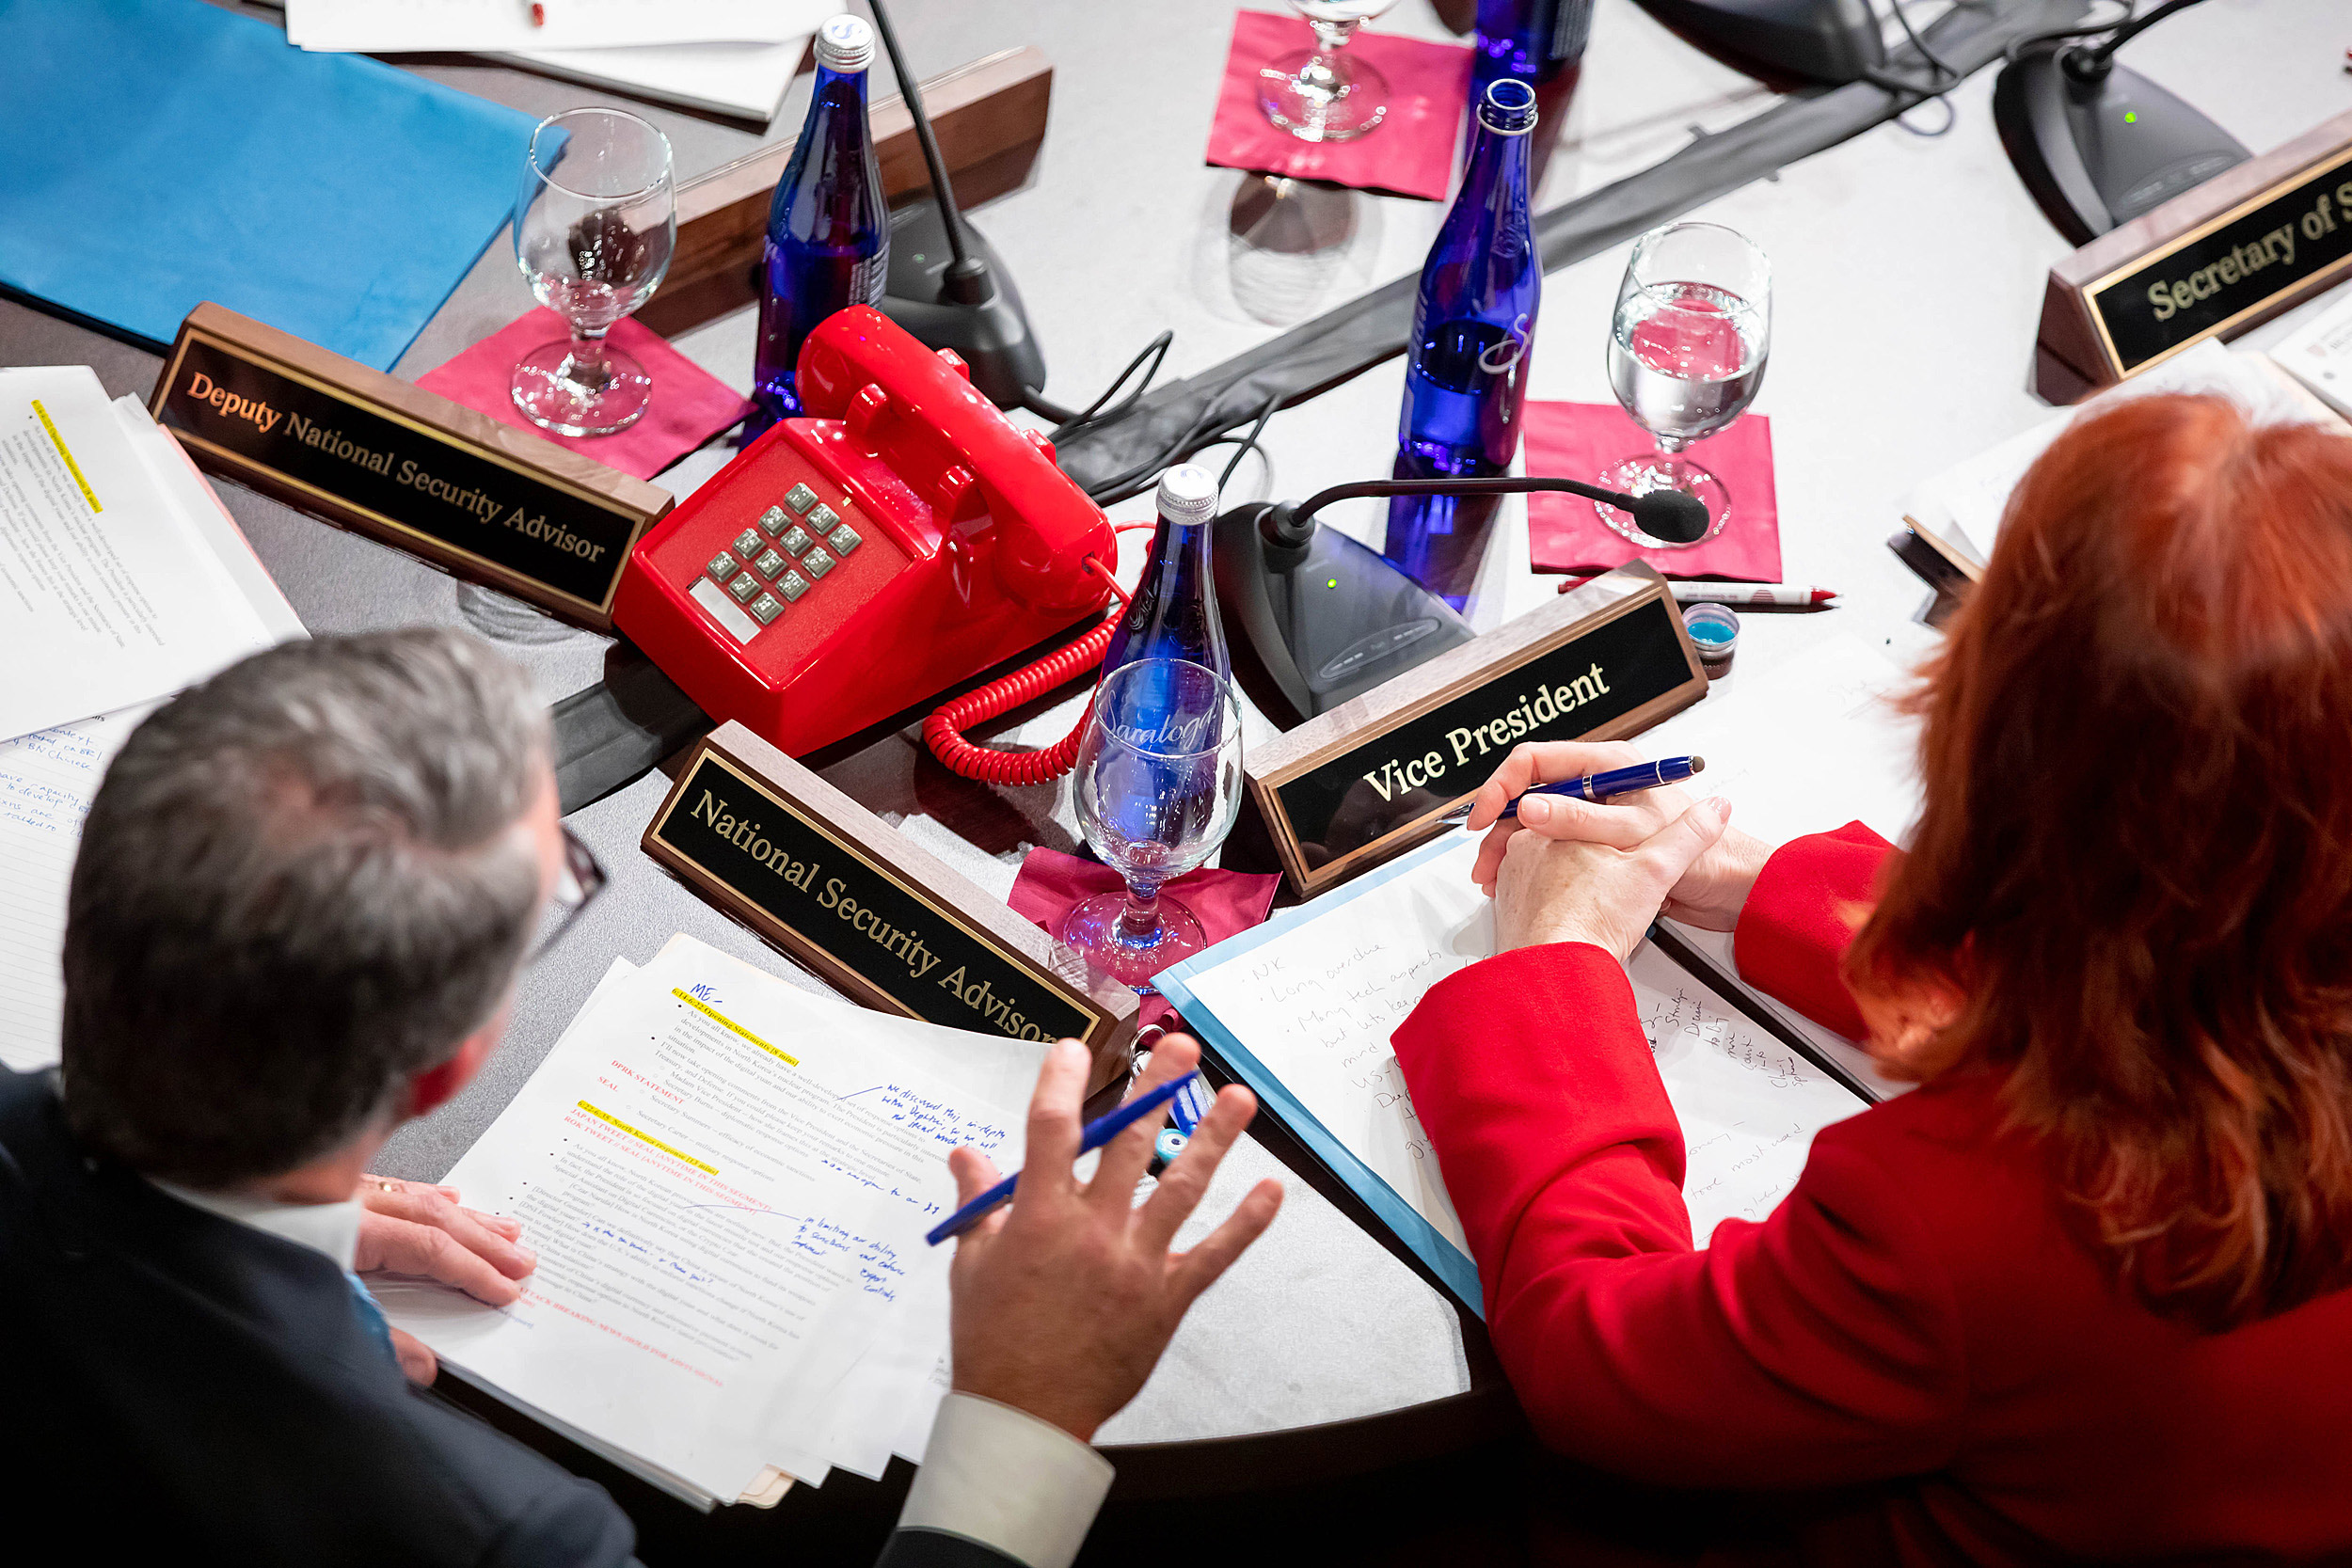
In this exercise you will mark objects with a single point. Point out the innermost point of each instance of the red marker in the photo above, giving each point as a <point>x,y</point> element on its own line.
<point>538,16</point>
<point>1744,595</point>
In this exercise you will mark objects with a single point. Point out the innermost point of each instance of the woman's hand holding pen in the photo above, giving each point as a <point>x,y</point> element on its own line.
<point>1708,890</point>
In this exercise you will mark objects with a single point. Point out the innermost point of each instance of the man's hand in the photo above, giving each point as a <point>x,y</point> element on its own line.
<point>414,1228</point>
<point>1709,894</point>
<point>1064,1299</point>
<point>1571,890</point>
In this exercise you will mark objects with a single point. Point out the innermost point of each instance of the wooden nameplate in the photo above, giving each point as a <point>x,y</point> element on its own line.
<point>887,922</point>
<point>368,452</point>
<point>2215,260</point>
<point>989,116</point>
<point>1368,779</point>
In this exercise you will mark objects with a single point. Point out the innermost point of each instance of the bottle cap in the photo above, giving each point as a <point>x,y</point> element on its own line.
<point>1187,494</point>
<point>1508,109</point>
<point>844,44</point>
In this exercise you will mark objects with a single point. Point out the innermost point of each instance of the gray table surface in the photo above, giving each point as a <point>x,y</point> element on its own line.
<point>1908,278</point>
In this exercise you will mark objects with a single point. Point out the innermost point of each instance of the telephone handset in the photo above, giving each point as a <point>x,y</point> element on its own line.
<point>895,541</point>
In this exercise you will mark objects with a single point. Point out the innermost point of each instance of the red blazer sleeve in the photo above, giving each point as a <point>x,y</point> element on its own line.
<point>1805,906</point>
<point>1820,1347</point>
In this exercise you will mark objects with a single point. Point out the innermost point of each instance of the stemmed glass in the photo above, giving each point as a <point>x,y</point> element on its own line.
<point>1686,354</point>
<point>594,225</point>
<point>1158,786</point>
<point>1321,94</point>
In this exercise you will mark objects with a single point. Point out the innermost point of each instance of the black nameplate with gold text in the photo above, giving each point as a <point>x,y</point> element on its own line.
<point>1368,779</point>
<point>861,924</point>
<point>2206,280</point>
<point>443,482</point>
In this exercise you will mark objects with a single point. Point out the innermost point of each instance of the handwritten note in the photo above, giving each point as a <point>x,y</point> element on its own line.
<point>1316,1001</point>
<point>1817,741</point>
<point>47,781</point>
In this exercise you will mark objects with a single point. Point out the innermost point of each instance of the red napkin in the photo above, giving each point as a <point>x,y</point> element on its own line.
<point>690,405</point>
<point>1410,152</point>
<point>1576,440</point>
<point>1228,902</point>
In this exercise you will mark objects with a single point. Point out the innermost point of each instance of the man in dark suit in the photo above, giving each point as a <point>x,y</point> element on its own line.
<point>302,897</point>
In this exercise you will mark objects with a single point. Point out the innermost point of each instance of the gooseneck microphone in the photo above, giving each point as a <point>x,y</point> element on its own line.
<point>1672,516</point>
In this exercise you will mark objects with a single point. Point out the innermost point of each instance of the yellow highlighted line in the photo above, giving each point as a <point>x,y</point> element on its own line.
<point>647,1137</point>
<point>707,1010</point>
<point>71,467</point>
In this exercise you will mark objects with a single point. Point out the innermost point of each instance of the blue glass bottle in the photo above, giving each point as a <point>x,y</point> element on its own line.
<point>1467,362</point>
<point>827,227</point>
<point>1173,613</point>
<point>1532,39</point>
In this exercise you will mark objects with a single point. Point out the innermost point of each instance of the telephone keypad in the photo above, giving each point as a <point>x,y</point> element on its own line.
<point>747,543</point>
<point>743,587</point>
<point>824,518</point>
<point>797,541</point>
<point>843,539</point>
<point>800,497</point>
<point>768,563</point>
<point>767,606</point>
<point>817,562</point>
<point>722,566</point>
<point>791,585</point>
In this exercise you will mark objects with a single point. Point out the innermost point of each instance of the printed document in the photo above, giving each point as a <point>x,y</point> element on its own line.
<point>727,1179</point>
<point>111,594</point>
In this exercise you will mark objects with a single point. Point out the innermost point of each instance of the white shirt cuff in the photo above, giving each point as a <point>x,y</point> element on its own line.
<point>1003,1478</point>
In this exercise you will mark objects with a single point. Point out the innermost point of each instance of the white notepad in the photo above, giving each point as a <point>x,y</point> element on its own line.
<point>1302,1009</point>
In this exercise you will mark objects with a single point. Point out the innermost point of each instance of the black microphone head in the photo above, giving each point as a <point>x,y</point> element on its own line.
<point>1674,516</point>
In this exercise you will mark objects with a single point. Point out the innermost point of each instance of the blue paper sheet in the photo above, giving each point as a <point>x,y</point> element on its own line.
<point>1449,1262</point>
<point>163,152</point>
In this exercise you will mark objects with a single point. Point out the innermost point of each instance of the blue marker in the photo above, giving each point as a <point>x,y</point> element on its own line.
<point>1600,786</point>
<point>1098,1132</point>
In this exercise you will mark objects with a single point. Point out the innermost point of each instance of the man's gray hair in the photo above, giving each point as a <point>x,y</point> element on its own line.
<point>301,882</point>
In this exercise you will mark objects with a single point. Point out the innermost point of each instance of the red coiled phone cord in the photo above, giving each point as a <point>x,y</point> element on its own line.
<point>943,732</point>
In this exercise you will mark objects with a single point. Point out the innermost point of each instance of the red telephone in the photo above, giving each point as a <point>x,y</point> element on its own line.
<point>900,539</point>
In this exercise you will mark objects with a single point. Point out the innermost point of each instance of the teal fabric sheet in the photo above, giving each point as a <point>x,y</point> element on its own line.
<point>1222,1036</point>
<point>163,152</point>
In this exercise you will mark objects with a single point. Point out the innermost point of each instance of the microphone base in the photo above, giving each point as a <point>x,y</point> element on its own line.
<point>2096,155</point>
<point>1312,626</point>
<point>992,335</point>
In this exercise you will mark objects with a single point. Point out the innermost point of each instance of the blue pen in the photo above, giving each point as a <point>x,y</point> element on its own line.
<point>1600,787</point>
<point>1098,1132</point>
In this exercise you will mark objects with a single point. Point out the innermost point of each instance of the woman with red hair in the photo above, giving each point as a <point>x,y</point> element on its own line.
<point>2081,1294</point>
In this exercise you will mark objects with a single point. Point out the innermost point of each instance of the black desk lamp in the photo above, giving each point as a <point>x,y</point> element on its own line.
<point>1313,618</point>
<point>2099,145</point>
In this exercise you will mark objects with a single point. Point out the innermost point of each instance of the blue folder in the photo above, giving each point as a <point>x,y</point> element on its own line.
<point>163,152</point>
<point>1449,1264</point>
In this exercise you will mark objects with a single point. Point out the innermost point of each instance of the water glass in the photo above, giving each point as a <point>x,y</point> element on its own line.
<point>1322,94</point>
<point>1158,785</point>
<point>1686,355</point>
<point>594,226</point>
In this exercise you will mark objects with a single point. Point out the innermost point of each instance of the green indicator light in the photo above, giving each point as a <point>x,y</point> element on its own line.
<point>1332,582</point>
<point>2131,117</point>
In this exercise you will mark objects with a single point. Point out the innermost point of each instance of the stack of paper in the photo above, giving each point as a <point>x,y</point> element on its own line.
<point>1959,510</point>
<point>2319,355</point>
<point>121,580</point>
<point>727,1180</point>
<point>731,57</point>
